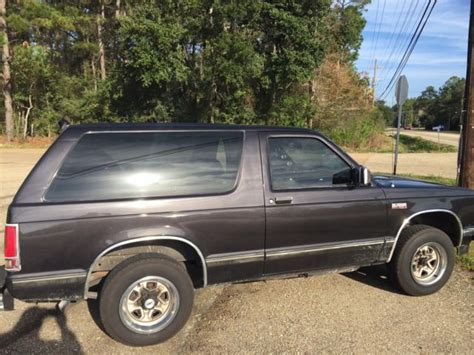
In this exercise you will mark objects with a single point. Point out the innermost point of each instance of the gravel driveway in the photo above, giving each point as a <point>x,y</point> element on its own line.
<point>357,312</point>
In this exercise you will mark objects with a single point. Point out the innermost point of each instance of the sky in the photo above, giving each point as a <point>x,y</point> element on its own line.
<point>440,53</point>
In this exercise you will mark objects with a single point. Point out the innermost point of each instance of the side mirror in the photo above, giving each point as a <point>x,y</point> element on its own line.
<point>362,176</point>
<point>359,176</point>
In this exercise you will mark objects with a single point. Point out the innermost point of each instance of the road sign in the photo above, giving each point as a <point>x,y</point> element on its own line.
<point>402,90</point>
<point>401,94</point>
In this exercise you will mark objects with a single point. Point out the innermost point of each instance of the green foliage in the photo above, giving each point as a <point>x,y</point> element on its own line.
<point>385,112</point>
<point>347,27</point>
<point>343,109</point>
<point>449,105</point>
<point>467,261</point>
<point>418,145</point>
<point>433,107</point>
<point>358,132</point>
<point>249,61</point>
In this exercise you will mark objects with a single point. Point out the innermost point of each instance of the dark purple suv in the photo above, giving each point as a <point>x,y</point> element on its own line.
<point>133,218</point>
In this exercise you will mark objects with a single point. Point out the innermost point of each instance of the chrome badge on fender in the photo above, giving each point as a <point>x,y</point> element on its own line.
<point>399,206</point>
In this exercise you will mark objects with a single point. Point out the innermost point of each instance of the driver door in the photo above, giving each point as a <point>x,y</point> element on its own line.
<point>311,222</point>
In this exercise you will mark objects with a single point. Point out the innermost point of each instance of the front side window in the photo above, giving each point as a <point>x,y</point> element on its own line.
<point>106,166</point>
<point>302,163</point>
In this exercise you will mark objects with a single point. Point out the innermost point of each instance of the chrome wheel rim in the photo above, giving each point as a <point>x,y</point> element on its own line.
<point>149,304</point>
<point>429,263</point>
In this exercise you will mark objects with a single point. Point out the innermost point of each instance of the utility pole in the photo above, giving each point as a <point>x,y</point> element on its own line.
<point>466,173</point>
<point>374,82</point>
<point>401,93</point>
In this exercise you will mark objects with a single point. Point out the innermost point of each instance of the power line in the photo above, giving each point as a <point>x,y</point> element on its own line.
<point>378,31</point>
<point>371,51</point>
<point>414,39</point>
<point>398,42</point>
<point>394,29</point>
<point>411,46</point>
<point>404,43</point>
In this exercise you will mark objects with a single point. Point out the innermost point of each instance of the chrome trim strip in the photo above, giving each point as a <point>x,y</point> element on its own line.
<point>237,257</point>
<point>468,231</point>
<point>312,248</point>
<point>407,220</point>
<point>145,239</point>
<point>47,276</point>
<point>17,237</point>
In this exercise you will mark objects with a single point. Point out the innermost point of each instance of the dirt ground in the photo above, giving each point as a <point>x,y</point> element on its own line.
<point>358,312</point>
<point>423,164</point>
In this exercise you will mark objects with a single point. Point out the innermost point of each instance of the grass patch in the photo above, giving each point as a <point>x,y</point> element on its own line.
<point>467,261</point>
<point>408,144</point>
<point>420,145</point>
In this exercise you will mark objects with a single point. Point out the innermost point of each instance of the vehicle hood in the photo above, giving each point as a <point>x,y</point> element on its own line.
<point>393,181</point>
<point>416,187</point>
<point>401,187</point>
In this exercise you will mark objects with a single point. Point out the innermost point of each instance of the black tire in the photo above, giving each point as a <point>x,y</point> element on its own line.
<point>126,274</point>
<point>400,267</point>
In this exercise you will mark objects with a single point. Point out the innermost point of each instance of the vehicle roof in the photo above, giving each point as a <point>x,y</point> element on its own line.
<point>75,130</point>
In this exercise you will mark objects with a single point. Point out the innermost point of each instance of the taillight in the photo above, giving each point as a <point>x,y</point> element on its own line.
<point>12,248</point>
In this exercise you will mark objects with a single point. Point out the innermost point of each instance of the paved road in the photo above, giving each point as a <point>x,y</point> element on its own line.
<point>357,312</point>
<point>449,138</point>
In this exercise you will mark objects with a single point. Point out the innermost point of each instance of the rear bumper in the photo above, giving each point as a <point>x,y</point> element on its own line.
<point>40,287</point>
<point>6,299</point>
<point>48,286</point>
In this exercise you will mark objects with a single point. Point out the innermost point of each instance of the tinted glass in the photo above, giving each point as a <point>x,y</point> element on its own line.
<point>302,163</point>
<point>127,165</point>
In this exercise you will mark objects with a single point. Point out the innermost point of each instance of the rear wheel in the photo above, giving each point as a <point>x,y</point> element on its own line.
<point>423,260</point>
<point>146,300</point>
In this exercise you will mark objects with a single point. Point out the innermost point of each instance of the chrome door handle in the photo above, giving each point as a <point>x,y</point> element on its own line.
<point>283,200</point>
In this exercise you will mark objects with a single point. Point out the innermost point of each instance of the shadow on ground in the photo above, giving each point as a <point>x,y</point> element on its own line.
<point>28,329</point>
<point>375,276</point>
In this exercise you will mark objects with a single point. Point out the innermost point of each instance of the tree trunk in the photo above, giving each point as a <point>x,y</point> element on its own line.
<point>117,9</point>
<point>7,84</point>
<point>94,76</point>
<point>100,20</point>
<point>27,115</point>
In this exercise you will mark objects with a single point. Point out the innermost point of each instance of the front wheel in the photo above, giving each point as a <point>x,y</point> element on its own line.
<point>146,300</point>
<point>423,260</point>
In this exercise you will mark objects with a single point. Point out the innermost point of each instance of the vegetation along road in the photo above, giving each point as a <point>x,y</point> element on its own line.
<point>309,314</point>
<point>449,138</point>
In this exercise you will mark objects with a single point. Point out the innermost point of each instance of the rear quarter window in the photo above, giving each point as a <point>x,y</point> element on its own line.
<point>105,166</point>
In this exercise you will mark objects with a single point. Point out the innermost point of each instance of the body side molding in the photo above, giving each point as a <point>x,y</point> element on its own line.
<point>408,219</point>
<point>312,248</point>
<point>48,276</point>
<point>236,257</point>
<point>145,239</point>
<point>255,255</point>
